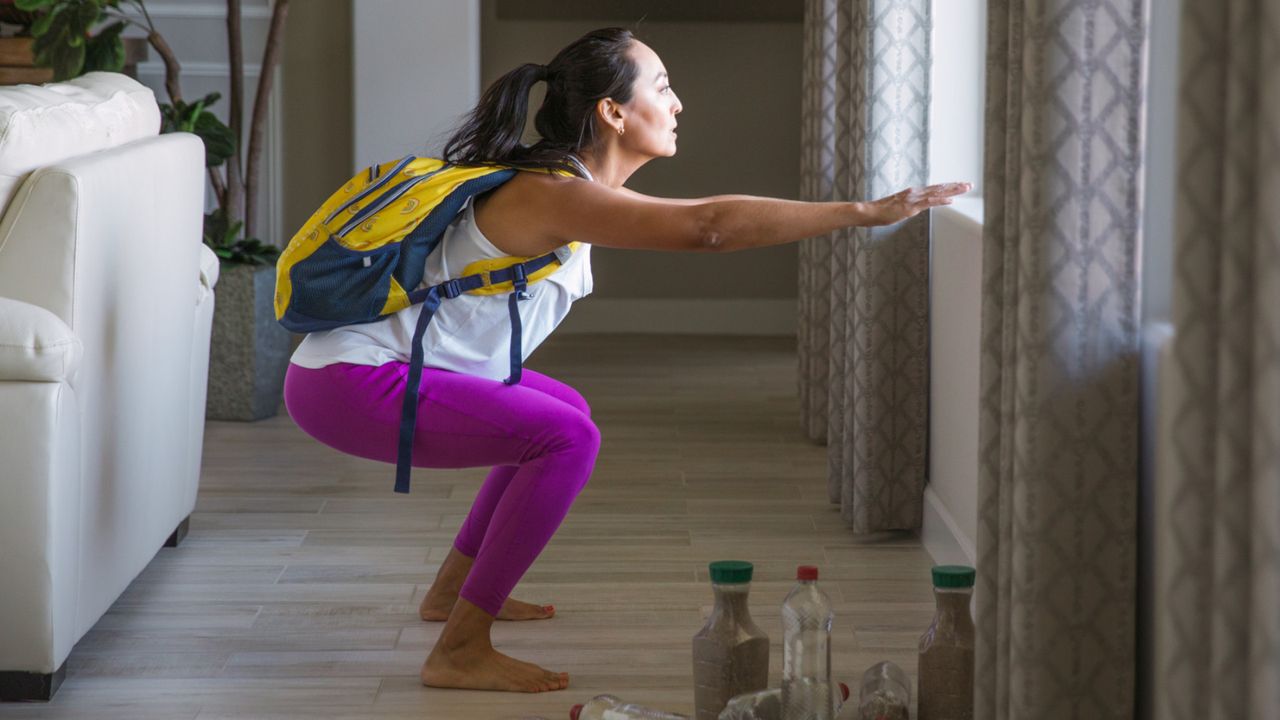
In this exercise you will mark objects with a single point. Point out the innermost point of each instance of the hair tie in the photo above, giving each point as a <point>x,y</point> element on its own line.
<point>544,73</point>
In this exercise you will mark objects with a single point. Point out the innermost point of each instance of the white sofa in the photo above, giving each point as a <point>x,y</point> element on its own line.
<point>106,306</point>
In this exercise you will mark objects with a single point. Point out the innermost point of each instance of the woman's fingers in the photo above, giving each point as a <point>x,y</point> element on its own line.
<point>913,200</point>
<point>949,189</point>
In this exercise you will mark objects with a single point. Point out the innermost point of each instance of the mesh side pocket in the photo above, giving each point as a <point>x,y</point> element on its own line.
<point>344,286</point>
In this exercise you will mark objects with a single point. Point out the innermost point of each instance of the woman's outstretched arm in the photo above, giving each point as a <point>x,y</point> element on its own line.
<point>558,210</point>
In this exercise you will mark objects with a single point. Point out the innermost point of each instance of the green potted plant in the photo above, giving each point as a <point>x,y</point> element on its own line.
<point>60,39</point>
<point>249,350</point>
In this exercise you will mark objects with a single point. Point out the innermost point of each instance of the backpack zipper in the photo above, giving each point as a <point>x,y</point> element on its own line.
<point>383,200</point>
<point>371,189</point>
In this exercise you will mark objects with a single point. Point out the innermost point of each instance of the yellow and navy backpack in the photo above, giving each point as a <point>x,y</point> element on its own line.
<point>362,256</point>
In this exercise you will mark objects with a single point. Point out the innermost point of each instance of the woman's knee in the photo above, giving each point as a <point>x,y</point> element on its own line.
<point>573,432</point>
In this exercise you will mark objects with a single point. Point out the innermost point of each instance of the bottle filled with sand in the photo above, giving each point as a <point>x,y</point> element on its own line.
<point>946,649</point>
<point>730,653</point>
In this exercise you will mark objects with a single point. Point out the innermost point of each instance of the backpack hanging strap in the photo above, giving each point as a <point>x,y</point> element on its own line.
<point>519,284</point>
<point>431,298</point>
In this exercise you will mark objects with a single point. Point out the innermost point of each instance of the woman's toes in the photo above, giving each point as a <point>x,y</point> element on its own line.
<point>517,610</point>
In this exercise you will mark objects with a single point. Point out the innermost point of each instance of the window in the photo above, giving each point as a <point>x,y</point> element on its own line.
<point>957,82</point>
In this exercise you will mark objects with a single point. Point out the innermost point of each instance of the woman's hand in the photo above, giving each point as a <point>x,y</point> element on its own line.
<point>907,203</point>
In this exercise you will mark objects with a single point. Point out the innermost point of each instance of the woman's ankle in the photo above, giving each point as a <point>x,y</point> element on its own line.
<point>466,630</point>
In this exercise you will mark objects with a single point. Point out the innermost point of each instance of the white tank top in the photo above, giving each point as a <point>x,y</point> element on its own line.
<point>468,334</point>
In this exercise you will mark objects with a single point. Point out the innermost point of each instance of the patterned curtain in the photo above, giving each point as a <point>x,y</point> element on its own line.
<point>1058,437</point>
<point>1217,599</point>
<point>864,292</point>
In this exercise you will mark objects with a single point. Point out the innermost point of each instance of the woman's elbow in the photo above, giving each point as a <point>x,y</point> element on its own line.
<point>710,235</point>
<point>712,241</point>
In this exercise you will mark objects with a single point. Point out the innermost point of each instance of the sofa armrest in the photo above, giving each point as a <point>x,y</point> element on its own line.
<point>35,344</point>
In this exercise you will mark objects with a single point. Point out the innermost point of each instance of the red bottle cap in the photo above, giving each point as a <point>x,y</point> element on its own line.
<point>575,711</point>
<point>807,572</point>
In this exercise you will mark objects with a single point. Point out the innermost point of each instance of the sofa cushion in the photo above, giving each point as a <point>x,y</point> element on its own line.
<point>35,345</point>
<point>43,124</point>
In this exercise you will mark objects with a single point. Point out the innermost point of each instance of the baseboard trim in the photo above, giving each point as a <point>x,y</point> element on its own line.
<point>682,317</point>
<point>941,536</point>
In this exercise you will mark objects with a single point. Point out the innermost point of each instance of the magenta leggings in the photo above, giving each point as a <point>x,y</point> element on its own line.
<point>538,436</point>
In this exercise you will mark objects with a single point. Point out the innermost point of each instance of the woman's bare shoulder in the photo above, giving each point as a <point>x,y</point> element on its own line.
<point>509,215</point>
<point>536,212</point>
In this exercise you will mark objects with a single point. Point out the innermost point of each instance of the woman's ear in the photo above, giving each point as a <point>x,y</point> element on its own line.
<point>610,113</point>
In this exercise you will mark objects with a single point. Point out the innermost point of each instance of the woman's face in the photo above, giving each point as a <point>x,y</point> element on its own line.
<point>650,117</point>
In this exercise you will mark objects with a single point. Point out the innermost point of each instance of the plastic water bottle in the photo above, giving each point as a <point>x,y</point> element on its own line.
<point>764,705</point>
<point>609,707</point>
<point>806,660</point>
<point>758,705</point>
<point>885,694</point>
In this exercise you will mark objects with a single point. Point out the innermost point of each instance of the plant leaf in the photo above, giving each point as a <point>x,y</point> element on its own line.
<point>67,65</point>
<point>219,142</point>
<point>90,11</point>
<point>30,5</point>
<point>44,20</point>
<point>105,51</point>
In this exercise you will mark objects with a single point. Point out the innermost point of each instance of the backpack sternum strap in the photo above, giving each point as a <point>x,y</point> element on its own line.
<point>497,281</point>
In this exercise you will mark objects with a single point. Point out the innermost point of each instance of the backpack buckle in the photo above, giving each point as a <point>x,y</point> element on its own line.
<point>519,282</point>
<point>452,288</point>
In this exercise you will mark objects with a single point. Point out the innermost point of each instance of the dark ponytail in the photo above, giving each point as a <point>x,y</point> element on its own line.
<point>591,68</point>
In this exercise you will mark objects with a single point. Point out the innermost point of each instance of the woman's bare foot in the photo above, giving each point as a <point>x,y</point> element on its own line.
<point>488,669</point>
<point>464,658</point>
<point>443,593</point>
<point>437,609</point>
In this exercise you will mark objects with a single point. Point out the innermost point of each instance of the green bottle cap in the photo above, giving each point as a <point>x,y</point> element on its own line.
<point>953,576</point>
<point>730,572</point>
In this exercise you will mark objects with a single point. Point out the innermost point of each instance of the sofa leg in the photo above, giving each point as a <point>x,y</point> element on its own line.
<point>179,533</point>
<point>30,687</point>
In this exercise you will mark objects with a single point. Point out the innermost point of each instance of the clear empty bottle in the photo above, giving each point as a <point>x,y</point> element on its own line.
<point>730,652</point>
<point>946,649</point>
<point>806,660</point>
<point>885,694</point>
<point>609,707</point>
<point>758,705</point>
<point>764,705</point>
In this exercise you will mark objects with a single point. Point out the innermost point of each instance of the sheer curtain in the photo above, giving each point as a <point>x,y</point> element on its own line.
<point>1058,437</point>
<point>1217,600</point>
<point>864,293</point>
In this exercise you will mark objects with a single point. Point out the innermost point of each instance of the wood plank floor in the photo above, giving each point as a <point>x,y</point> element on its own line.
<point>295,594</point>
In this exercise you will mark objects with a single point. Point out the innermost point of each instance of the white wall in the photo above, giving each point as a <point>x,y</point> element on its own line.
<point>197,32</point>
<point>1161,160</point>
<point>955,298</point>
<point>955,304</point>
<point>1157,300</point>
<point>416,71</point>
<point>737,69</point>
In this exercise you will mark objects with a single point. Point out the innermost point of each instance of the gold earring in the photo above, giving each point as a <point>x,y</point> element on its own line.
<point>620,129</point>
